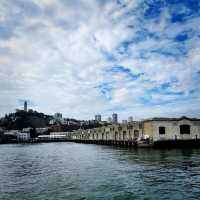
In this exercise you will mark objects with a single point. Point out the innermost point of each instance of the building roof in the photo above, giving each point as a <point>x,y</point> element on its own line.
<point>172,119</point>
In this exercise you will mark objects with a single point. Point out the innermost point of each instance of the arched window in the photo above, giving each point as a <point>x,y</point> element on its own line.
<point>184,129</point>
<point>124,135</point>
<point>116,135</point>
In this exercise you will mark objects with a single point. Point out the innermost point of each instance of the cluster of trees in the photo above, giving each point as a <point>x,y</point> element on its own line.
<point>22,119</point>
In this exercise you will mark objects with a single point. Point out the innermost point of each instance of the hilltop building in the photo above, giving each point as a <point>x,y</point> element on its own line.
<point>25,106</point>
<point>98,118</point>
<point>58,116</point>
<point>130,119</point>
<point>114,118</point>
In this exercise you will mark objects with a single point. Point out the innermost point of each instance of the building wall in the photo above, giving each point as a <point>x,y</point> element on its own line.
<point>23,136</point>
<point>148,129</point>
<point>132,131</point>
<point>113,132</point>
<point>172,130</point>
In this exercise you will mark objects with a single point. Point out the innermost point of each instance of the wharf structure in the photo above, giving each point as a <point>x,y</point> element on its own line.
<point>157,132</point>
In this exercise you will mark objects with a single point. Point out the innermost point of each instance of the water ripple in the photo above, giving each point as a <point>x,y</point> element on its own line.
<point>79,171</point>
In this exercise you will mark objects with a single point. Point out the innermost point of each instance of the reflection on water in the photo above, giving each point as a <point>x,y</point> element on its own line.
<point>81,171</point>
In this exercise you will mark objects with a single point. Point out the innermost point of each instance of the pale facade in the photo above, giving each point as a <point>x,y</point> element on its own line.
<point>119,132</point>
<point>22,136</point>
<point>184,128</point>
<point>156,129</point>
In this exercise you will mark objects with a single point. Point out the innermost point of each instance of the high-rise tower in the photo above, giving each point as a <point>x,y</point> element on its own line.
<point>25,106</point>
<point>114,118</point>
<point>98,118</point>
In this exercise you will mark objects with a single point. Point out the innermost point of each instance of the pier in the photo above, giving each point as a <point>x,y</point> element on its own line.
<point>155,132</point>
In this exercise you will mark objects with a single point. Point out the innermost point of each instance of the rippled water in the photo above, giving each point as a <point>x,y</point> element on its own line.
<point>84,171</point>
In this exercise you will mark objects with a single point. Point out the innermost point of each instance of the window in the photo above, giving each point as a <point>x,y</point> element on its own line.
<point>161,130</point>
<point>184,129</point>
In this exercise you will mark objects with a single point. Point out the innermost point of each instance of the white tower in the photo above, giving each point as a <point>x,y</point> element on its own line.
<point>25,106</point>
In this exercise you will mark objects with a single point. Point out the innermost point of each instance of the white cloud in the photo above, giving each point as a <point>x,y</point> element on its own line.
<point>58,56</point>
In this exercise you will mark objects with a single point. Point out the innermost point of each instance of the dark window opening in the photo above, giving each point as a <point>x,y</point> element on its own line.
<point>162,130</point>
<point>184,129</point>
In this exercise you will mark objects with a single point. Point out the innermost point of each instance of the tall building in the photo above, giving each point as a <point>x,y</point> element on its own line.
<point>58,116</point>
<point>114,118</point>
<point>98,118</point>
<point>130,119</point>
<point>25,106</point>
<point>109,120</point>
<point>124,121</point>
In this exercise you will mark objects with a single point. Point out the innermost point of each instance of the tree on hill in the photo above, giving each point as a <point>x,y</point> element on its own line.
<point>22,119</point>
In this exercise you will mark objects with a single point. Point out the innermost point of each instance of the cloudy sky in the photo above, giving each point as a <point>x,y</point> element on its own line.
<point>82,57</point>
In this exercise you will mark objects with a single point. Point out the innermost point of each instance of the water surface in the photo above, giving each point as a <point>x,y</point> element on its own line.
<point>84,171</point>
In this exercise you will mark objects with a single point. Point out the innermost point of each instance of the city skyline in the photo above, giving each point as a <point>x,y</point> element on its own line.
<point>136,58</point>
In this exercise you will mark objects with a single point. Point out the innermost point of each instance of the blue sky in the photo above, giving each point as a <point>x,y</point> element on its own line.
<point>138,58</point>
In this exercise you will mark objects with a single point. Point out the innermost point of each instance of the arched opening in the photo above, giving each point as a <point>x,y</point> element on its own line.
<point>124,135</point>
<point>136,134</point>
<point>119,136</point>
<point>116,135</point>
<point>107,135</point>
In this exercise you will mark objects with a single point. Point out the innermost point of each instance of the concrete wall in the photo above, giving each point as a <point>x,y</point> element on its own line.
<point>119,132</point>
<point>132,131</point>
<point>172,130</point>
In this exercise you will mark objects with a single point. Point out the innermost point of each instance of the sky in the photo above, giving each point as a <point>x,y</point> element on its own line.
<point>137,58</point>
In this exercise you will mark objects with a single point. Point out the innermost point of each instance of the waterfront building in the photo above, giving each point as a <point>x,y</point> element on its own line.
<point>52,121</point>
<point>144,133</point>
<point>23,136</point>
<point>114,118</point>
<point>98,118</point>
<point>41,131</point>
<point>11,132</point>
<point>58,116</point>
<point>27,130</point>
<point>55,136</point>
<point>114,132</point>
<point>25,106</point>
<point>161,129</point>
